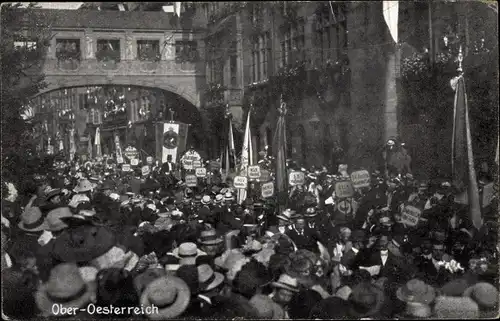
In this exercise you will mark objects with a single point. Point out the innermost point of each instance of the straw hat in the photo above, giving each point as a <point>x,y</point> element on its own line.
<point>228,197</point>
<point>267,308</point>
<point>187,253</point>
<point>208,279</point>
<point>84,185</point>
<point>206,200</point>
<point>219,198</point>
<point>286,282</point>
<point>169,294</point>
<point>366,300</point>
<point>65,288</point>
<point>286,215</point>
<point>210,237</point>
<point>53,220</point>
<point>32,220</point>
<point>416,291</point>
<point>53,192</point>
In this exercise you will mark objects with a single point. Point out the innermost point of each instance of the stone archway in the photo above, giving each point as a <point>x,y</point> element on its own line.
<point>183,88</point>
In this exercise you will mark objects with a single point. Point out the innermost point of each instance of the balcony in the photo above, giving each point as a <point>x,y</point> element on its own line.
<point>91,67</point>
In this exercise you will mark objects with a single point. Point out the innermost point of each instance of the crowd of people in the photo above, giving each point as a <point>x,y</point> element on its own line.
<point>93,241</point>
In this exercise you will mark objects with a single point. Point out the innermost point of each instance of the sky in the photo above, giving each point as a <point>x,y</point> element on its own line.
<point>57,5</point>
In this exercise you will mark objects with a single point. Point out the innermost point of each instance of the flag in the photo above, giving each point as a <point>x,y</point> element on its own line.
<point>97,143</point>
<point>231,140</point>
<point>246,156</point>
<point>496,155</point>
<point>61,145</point>
<point>462,162</point>
<point>390,12</point>
<point>118,147</point>
<point>279,146</point>
<point>177,8</point>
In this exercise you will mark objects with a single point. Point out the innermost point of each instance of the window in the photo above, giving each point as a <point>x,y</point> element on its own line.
<point>148,50</point>
<point>108,50</point>
<point>217,71</point>
<point>29,45</point>
<point>95,116</point>
<point>68,49</point>
<point>186,51</point>
<point>332,31</point>
<point>292,45</point>
<point>233,64</point>
<point>261,55</point>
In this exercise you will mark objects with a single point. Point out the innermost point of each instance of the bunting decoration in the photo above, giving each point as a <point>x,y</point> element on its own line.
<point>97,143</point>
<point>462,162</point>
<point>246,156</point>
<point>390,12</point>
<point>279,145</point>
<point>177,8</point>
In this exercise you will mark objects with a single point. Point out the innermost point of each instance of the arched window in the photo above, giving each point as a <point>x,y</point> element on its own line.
<point>303,145</point>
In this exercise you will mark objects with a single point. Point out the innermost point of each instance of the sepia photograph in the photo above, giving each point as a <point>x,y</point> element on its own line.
<point>310,160</point>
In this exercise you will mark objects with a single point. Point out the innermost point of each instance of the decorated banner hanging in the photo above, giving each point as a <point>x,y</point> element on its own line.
<point>72,145</point>
<point>97,143</point>
<point>89,147</point>
<point>246,157</point>
<point>118,147</point>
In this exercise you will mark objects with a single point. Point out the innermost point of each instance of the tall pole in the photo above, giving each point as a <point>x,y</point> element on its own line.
<point>431,34</point>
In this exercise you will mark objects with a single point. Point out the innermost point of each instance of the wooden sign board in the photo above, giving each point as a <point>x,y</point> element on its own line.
<point>296,178</point>
<point>360,179</point>
<point>126,167</point>
<point>119,160</point>
<point>196,164</point>
<point>267,190</point>
<point>410,215</point>
<point>201,172</point>
<point>254,172</point>
<point>344,189</point>
<point>134,162</point>
<point>149,160</point>
<point>240,182</point>
<point>145,170</point>
<point>191,180</point>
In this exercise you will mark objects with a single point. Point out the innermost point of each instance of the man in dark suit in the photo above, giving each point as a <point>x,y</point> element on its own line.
<point>301,236</point>
<point>430,265</point>
<point>168,166</point>
<point>390,265</point>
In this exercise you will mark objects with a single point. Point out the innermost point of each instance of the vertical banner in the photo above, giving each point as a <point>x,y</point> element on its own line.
<point>72,145</point>
<point>280,149</point>
<point>61,145</point>
<point>97,143</point>
<point>462,162</point>
<point>246,157</point>
<point>170,141</point>
<point>118,146</point>
<point>89,147</point>
<point>50,148</point>
<point>232,151</point>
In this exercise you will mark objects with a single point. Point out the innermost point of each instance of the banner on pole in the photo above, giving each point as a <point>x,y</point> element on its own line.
<point>360,179</point>
<point>267,190</point>
<point>201,172</point>
<point>254,172</point>
<point>344,189</point>
<point>296,178</point>
<point>240,182</point>
<point>191,180</point>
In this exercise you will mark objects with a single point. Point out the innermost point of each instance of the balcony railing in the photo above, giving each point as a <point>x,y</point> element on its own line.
<point>124,67</point>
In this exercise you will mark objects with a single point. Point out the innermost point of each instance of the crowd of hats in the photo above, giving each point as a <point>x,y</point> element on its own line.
<point>89,237</point>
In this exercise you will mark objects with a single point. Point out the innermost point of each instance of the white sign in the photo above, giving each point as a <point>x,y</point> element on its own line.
<point>126,167</point>
<point>360,179</point>
<point>240,182</point>
<point>131,152</point>
<point>267,189</point>
<point>196,164</point>
<point>296,178</point>
<point>344,189</point>
<point>410,215</point>
<point>145,170</point>
<point>149,160</point>
<point>191,181</point>
<point>187,164</point>
<point>119,159</point>
<point>254,172</point>
<point>201,172</point>
<point>134,162</point>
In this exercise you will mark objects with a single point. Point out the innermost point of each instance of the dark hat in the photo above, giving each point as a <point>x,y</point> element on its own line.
<point>267,308</point>
<point>18,289</point>
<point>189,274</point>
<point>332,308</point>
<point>83,243</point>
<point>209,237</point>
<point>107,184</point>
<point>302,304</point>
<point>53,192</point>
<point>247,202</point>
<point>358,236</point>
<point>366,300</point>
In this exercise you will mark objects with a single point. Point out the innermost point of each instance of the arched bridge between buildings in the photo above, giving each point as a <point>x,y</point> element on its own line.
<point>185,80</point>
